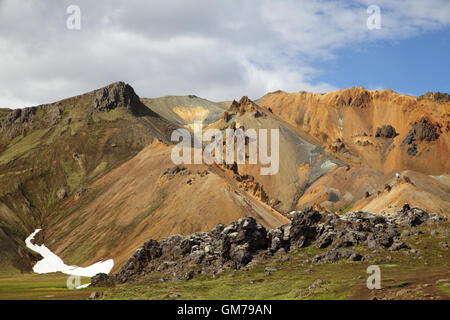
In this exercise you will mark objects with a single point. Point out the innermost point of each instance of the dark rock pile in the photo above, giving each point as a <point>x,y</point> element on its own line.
<point>235,245</point>
<point>422,130</point>
<point>386,131</point>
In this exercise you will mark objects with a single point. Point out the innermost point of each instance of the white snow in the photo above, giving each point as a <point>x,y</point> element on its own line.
<point>53,263</point>
<point>83,286</point>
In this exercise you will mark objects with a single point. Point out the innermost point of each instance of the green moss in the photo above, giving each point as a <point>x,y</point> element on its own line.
<point>22,144</point>
<point>346,209</point>
<point>15,285</point>
<point>99,170</point>
<point>444,286</point>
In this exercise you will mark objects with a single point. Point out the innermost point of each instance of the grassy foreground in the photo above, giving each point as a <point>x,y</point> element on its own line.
<point>52,286</point>
<point>424,274</point>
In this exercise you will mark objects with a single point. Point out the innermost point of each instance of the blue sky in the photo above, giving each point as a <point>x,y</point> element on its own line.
<point>220,50</point>
<point>410,66</point>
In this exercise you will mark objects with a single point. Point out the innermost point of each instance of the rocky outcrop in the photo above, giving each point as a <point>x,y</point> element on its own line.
<point>115,95</point>
<point>231,246</point>
<point>386,131</point>
<point>304,228</point>
<point>17,122</point>
<point>245,105</point>
<point>339,146</point>
<point>425,130</point>
<point>255,189</point>
<point>422,130</point>
<point>436,96</point>
<point>336,255</point>
<point>101,279</point>
<point>356,97</point>
<point>236,245</point>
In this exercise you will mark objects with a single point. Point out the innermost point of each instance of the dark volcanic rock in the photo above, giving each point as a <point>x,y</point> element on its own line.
<point>436,96</point>
<point>304,228</point>
<point>139,260</point>
<point>239,243</point>
<point>422,130</point>
<point>17,122</point>
<point>232,246</point>
<point>410,217</point>
<point>334,255</point>
<point>115,95</point>
<point>279,238</point>
<point>100,279</point>
<point>386,131</point>
<point>242,242</point>
<point>426,130</point>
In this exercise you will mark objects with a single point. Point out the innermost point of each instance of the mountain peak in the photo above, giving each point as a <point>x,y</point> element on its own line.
<point>244,105</point>
<point>117,94</point>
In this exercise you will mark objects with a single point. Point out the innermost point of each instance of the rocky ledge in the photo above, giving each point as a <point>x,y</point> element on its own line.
<point>236,245</point>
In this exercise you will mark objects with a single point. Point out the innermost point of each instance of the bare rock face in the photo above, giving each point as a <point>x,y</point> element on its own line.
<point>140,259</point>
<point>17,122</point>
<point>244,105</point>
<point>353,97</point>
<point>339,147</point>
<point>425,130</point>
<point>242,242</point>
<point>436,96</point>
<point>304,228</point>
<point>116,95</point>
<point>422,130</point>
<point>386,131</point>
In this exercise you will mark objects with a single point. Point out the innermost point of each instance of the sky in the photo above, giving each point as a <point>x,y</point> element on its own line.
<point>220,50</point>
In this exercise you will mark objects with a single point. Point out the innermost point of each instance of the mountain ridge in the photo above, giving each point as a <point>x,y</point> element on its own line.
<point>94,170</point>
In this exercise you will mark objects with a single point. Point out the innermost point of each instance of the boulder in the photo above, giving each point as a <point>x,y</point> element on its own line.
<point>386,131</point>
<point>334,255</point>
<point>303,229</point>
<point>100,280</point>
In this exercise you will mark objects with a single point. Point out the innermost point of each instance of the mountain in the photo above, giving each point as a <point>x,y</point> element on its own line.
<point>396,147</point>
<point>51,152</point>
<point>94,171</point>
<point>184,110</point>
<point>382,130</point>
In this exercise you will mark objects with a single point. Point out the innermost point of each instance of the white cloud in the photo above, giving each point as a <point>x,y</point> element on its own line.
<point>218,50</point>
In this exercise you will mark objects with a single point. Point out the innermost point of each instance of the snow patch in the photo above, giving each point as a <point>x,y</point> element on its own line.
<point>52,263</point>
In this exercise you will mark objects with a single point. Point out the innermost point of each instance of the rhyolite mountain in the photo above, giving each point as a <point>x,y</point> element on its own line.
<point>95,173</point>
